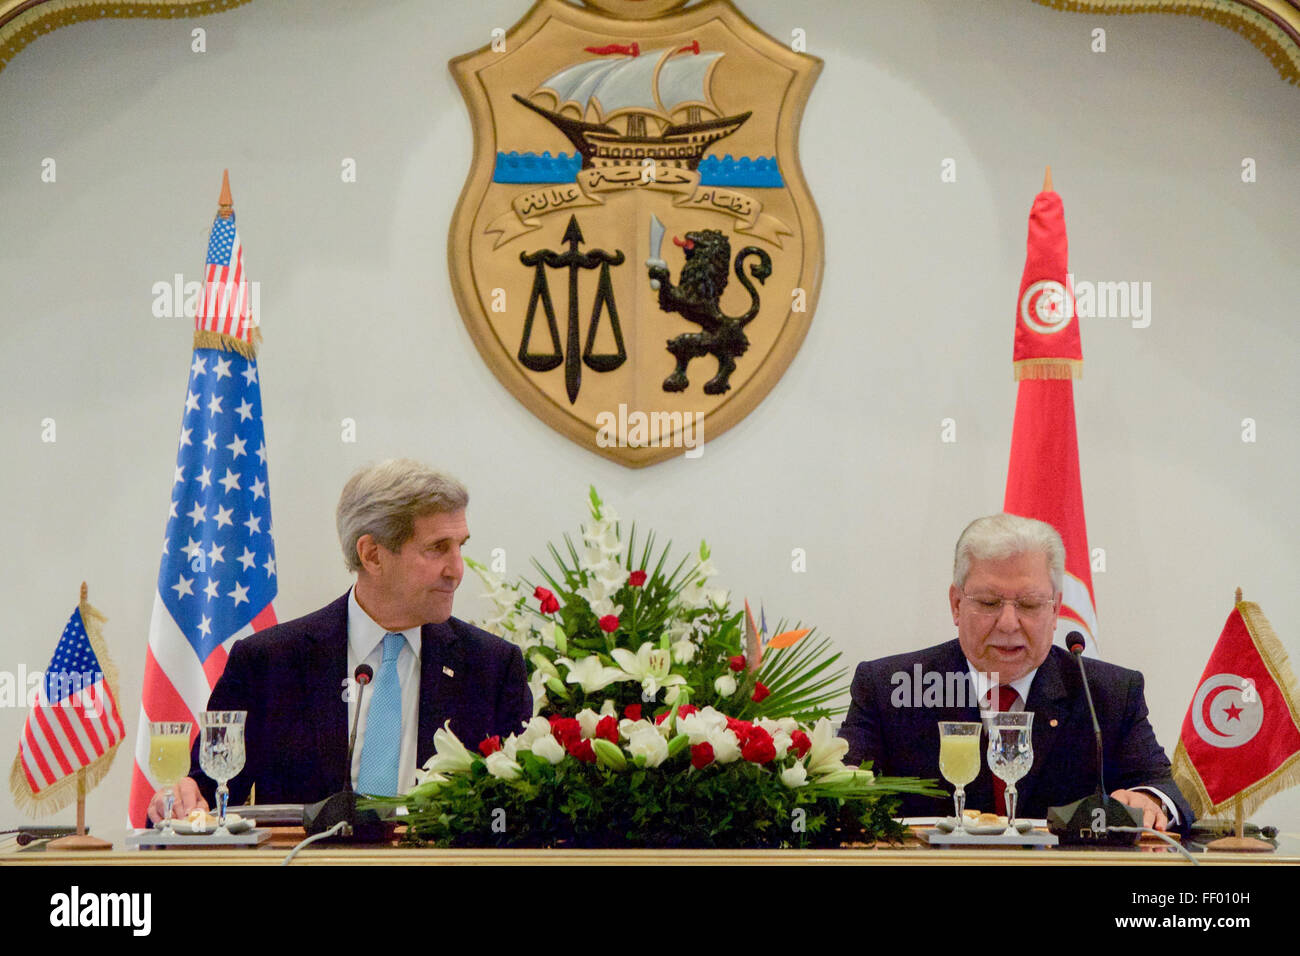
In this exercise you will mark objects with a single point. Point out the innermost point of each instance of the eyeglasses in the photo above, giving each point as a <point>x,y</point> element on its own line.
<point>1026,608</point>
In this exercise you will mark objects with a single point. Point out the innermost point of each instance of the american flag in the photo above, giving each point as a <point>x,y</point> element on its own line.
<point>224,299</point>
<point>217,576</point>
<point>75,720</point>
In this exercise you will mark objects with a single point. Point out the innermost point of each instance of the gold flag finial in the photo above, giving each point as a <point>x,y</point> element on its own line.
<point>84,592</point>
<point>225,204</point>
<point>1047,180</point>
<point>1238,601</point>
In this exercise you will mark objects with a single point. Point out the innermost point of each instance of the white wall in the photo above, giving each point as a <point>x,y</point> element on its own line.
<point>844,457</point>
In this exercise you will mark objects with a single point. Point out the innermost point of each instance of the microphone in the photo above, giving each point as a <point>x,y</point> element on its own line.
<point>341,807</point>
<point>364,675</point>
<point>1090,820</point>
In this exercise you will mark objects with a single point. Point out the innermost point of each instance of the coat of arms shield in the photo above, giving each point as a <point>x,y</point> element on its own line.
<point>635,253</point>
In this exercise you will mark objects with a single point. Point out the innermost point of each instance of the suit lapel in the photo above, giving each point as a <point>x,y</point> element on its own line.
<point>440,668</point>
<point>325,674</point>
<point>1050,703</point>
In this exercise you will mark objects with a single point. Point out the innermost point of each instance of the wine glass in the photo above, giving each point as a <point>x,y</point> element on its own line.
<point>169,759</point>
<point>221,752</point>
<point>1011,752</point>
<point>959,758</point>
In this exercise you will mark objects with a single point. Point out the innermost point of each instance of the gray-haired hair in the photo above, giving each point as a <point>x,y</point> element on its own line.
<point>384,500</point>
<point>999,536</point>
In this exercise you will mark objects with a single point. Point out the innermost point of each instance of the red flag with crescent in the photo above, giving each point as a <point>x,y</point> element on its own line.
<point>1241,735</point>
<point>1043,475</point>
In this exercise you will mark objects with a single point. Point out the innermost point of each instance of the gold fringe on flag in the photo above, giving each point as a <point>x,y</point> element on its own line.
<point>1273,34</point>
<point>1041,368</point>
<point>59,795</point>
<point>1285,776</point>
<point>22,21</point>
<point>207,339</point>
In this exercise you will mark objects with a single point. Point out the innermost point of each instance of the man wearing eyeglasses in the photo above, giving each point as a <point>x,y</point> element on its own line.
<point>1005,598</point>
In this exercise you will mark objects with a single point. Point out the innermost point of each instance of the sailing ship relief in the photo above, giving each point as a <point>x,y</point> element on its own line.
<point>635,252</point>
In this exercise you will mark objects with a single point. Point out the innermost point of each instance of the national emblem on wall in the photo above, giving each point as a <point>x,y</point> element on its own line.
<point>635,252</point>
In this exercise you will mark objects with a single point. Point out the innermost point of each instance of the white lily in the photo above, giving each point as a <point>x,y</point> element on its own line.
<point>647,742</point>
<point>591,674</point>
<point>537,728</point>
<point>548,748</point>
<point>500,765</point>
<point>587,720</point>
<point>827,753</point>
<point>649,665</point>
<point>537,685</point>
<point>725,685</point>
<point>683,651</point>
<point>450,755</point>
<point>794,777</point>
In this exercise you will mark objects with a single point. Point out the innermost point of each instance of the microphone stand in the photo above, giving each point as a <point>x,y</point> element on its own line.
<point>1094,820</point>
<point>341,807</point>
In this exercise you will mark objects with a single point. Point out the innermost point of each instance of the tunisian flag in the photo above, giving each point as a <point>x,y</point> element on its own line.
<point>1043,476</point>
<point>1241,735</point>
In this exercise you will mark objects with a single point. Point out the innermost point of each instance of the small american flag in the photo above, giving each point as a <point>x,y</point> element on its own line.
<point>224,299</point>
<point>75,720</point>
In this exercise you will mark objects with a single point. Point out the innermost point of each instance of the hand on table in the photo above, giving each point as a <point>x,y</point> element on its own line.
<point>1153,814</point>
<point>187,797</point>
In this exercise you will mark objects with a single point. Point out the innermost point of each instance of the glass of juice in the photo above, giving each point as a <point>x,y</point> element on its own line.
<point>959,758</point>
<point>169,759</point>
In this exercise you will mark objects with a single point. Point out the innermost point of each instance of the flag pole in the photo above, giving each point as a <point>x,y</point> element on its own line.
<point>1239,843</point>
<point>80,840</point>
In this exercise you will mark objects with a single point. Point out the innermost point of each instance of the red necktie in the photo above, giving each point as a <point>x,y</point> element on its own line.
<point>1007,698</point>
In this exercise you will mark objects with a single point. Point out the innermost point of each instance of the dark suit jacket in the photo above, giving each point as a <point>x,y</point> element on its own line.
<point>904,740</point>
<point>291,680</point>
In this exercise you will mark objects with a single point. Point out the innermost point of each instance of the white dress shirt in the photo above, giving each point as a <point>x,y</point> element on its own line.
<point>366,646</point>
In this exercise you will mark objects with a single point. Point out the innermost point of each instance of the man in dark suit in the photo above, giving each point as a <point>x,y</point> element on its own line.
<point>1005,599</point>
<point>402,527</point>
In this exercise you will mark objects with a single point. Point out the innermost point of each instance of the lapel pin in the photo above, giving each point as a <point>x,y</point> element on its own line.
<point>1051,722</point>
<point>451,673</point>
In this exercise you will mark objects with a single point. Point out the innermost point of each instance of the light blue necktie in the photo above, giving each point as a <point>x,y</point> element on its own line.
<point>383,744</point>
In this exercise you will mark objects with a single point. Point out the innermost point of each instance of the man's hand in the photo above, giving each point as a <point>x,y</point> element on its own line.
<point>187,797</point>
<point>1153,814</point>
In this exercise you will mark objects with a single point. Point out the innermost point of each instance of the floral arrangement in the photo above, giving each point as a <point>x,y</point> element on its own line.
<point>661,718</point>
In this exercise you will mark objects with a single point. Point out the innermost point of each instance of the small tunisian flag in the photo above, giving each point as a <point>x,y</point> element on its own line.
<point>216,577</point>
<point>1241,735</point>
<point>1043,476</point>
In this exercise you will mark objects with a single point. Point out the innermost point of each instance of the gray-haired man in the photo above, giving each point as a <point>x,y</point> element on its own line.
<point>1005,598</point>
<point>402,526</point>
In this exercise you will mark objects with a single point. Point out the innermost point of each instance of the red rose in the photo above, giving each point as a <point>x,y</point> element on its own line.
<point>583,750</point>
<point>636,578</point>
<point>800,742</point>
<point>490,745</point>
<point>686,710</point>
<point>607,729</point>
<point>736,663</point>
<point>659,718</point>
<point>549,604</point>
<point>632,712</point>
<point>740,728</point>
<point>701,755</point>
<point>758,747</point>
<point>566,730</point>
<point>609,623</point>
<point>760,692</point>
